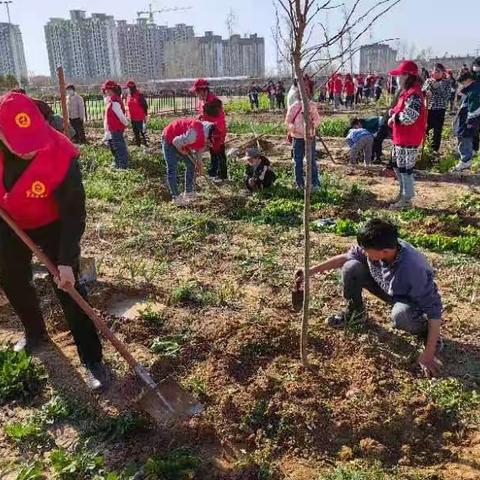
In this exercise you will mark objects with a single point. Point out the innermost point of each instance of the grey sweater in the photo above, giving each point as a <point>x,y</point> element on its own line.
<point>409,279</point>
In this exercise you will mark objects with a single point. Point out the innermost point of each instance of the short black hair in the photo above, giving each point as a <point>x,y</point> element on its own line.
<point>468,75</point>
<point>378,234</point>
<point>354,121</point>
<point>440,66</point>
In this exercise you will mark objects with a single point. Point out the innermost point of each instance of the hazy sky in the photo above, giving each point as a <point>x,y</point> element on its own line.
<point>443,25</point>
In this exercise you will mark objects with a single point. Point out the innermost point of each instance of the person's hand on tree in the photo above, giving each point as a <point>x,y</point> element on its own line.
<point>66,278</point>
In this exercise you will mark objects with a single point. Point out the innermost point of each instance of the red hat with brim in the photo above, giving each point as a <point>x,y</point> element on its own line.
<point>109,85</point>
<point>199,84</point>
<point>405,68</point>
<point>23,128</point>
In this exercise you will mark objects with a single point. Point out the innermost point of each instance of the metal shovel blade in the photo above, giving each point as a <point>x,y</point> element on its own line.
<point>297,300</point>
<point>184,404</point>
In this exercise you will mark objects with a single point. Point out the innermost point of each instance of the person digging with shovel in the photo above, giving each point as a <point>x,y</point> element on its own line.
<point>397,273</point>
<point>41,190</point>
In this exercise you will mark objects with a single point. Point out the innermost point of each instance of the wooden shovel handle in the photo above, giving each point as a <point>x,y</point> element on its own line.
<point>96,319</point>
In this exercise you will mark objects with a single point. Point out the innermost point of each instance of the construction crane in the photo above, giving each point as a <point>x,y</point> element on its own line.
<point>151,12</point>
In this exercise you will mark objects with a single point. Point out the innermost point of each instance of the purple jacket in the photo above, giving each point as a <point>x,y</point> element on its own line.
<point>410,279</point>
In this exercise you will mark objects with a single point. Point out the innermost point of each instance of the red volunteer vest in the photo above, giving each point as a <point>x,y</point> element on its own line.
<point>182,126</point>
<point>411,135</point>
<point>349,87</point>
<point>220,122</point>
<point>113,122</point>
<point>31,202</point>
<point>337,85</point>
<point>135,109</point>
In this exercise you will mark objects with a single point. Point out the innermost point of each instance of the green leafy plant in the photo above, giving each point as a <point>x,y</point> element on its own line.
<point>176,465</point>
<point>31,471</point>
<point>192,292</point>
<point>76,465</point>
<point>30,432</point>
<point>19,376</point>
<point>334,127</point>
<point>167,346</point>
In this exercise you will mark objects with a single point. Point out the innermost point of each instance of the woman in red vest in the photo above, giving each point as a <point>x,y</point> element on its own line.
<point>408,121</point>
<point>184,139</point>
<point>41,189</point>
<point>337,90</point>
<point>115,123</point>
<point>349,88</point>
<point>137,112</point>
<point>210,109</point>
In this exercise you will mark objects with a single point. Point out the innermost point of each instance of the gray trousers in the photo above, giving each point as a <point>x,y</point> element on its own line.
<point>363,148</point>
<point>356,277</point>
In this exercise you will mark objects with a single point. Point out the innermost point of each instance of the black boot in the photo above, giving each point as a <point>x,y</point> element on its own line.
<point>96,376</point>
<point>354,314</point>
<point>31,343</point>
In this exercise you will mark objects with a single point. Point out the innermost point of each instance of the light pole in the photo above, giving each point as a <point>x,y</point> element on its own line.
<point>7,6</point>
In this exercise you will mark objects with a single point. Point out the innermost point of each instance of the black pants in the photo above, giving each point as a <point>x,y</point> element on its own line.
<point>218,164</point>
<point>254,102</point>
<point>281,102</point>
<point>359,95</point>
<point>383,133</point>
<point>16,280</point>
<point>349,100</point>
<point>436,120</point>
<point>79,128</point>
<point>139,132</point>
<point>476,141</point>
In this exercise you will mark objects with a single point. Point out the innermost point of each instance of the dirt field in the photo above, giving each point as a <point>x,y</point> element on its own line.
<point>214,285</point>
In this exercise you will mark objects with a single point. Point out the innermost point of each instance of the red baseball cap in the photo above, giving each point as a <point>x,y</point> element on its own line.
<point>199,84</point>
<point>109,85</point>
<point>406,67</point>
<point>22,126</point>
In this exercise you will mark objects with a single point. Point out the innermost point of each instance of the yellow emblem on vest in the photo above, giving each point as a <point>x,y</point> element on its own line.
<point>37,190</point>
<point>23,120</point>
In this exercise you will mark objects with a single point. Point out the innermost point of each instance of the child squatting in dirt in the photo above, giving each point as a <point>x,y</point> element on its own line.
<point>397,273</point>
<point>258,173</point>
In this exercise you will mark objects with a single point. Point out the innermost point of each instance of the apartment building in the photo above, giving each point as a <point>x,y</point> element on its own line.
<point>12,54</point>
<point>378,58</point>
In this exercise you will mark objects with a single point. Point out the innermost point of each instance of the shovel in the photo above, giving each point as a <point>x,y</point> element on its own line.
<point>164,402</point>
<point>297,292</point>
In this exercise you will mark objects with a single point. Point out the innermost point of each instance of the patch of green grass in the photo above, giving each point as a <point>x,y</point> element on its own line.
<point>20,378</point>
<point>470,202</point>
<point>196,385</point>
<point>81,465</point>
<point>30,432</point>
<point>176,465</point>
<point>119,427</point>
<point>342,227</point>
<point>357,473</point>
<point>267,128</point>
<point>31,471</point>
<point>194,293</point>
<point>451,396</point>
<point>334,127</point>
<point>242,105</point>
<point>153,317</point>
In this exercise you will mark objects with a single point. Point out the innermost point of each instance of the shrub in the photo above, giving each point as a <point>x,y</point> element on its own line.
<point>334,127</point>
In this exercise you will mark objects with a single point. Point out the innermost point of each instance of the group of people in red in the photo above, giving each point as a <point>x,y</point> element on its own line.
<point>347,90</point>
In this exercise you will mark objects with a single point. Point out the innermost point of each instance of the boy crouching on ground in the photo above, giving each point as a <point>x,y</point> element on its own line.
<point>397,273</point>
<point>259,174</point>
<point>360,141</point>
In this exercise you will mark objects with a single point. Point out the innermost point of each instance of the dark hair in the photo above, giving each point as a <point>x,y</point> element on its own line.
<point>70,87</point>
<point>19,90</point>
<point>467,75</point>
<point>213,109</point>
<point>411,81</point>
<point>378,234</point>
<point>354,121</point>
<point>440,66</point>
<point>212,131</point>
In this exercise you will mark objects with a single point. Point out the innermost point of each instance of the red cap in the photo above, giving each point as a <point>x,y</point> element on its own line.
<point>109,85</point>
<point>199,84</point>
<point>406,67</point>
<point>131,84</point>
<point>22,126</point>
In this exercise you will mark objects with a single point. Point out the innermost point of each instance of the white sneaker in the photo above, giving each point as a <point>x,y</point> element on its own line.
<point>180,201</point>
<point>461,166</point>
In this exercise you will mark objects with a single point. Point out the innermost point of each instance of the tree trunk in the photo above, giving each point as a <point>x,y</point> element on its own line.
<point>306,212</point>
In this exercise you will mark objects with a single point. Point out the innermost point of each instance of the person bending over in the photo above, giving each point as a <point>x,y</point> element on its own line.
<point>397,273</point>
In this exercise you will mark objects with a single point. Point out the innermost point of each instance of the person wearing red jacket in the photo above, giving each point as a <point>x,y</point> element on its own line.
<point>349,89</point>
<point>41,190</point>
<point>185,139</point>
<point>137,112</point>
<point>114,123</point>
<point>408,121</point>
<point>210,109</point>
<point>337,90</point>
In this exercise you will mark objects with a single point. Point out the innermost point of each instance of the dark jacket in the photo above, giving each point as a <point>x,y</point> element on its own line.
<point>467,121</point>
<point>262,174</point>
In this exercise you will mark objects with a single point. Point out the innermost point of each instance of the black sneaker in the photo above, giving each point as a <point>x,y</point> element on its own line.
<point>31,344</point>
<point>96,376</point>
<point>352,315</point>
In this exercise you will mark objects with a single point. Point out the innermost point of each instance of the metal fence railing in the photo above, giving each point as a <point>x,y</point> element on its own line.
<point>158,104</point>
